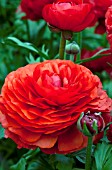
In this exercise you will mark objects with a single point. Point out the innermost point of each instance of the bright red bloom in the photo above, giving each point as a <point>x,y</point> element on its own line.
<point>70,15</point>
<point>99,64</point>
<point>33,8</point>
<point>108,23</point>
<point>41,103</point>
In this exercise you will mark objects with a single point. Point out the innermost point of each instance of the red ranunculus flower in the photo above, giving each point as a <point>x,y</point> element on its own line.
<point>41,103</point>
<point>72,15</point>
<point>103,4</point>
<point>100,8</point>
<point>108,23</point>
<point>33,8</point>
<point>99,64</point>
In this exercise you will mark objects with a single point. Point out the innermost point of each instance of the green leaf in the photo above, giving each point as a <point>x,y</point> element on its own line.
<point>77,169</point>
<point>31,153</point>
<point>16,42</point>
<point>102,155</point>
<point>107,85</point>
<point>65,164</point>
<point>31,59</point>
<point>40,163</point>
<point>1,132</point>
<point>20,165</point>
<point>108,164</point>
<point>21,44</point>
<point>80,155</point>
<point>94,57</point>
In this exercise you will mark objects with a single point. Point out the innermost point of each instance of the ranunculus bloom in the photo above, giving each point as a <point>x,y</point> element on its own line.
<point>33,8</point>
<point>103,4</point>
<point>99,64</point>
<point>72,15</point>
<point>41,103</point>
<point>100,8</point>
<point>108,23</point>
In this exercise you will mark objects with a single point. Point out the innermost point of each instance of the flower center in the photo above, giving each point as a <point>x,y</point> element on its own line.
<point>56,80</point>
<point>63,6</point>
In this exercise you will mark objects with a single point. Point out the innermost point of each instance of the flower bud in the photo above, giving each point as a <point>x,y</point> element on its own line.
<point>90,124</point>
<point>72,48</point>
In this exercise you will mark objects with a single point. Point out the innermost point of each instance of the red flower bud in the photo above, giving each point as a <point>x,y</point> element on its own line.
<point>91,123</point>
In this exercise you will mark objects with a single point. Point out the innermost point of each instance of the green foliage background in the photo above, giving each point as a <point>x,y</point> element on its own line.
<point>23,42</point>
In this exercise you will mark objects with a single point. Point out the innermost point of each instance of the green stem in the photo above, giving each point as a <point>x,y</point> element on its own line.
<point>94,57</point>
<point>28,29</point>
<point>88,154</point>
<point>72,57</point>
<point>79,42</point>
<point>62,47</point>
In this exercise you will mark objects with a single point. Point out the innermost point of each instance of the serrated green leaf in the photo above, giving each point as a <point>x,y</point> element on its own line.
<point>14,41</point>
<point>20,165</point>
<point>102,154</point>
<point>21,44</point>
<point>45,51</point>
<point>31,59</point>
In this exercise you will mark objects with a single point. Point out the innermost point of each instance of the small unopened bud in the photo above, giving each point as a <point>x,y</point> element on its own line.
<point>72,48</point>
<point>91,124</point>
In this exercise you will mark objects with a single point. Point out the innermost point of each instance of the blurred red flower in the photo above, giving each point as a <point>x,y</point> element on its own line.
<point>72,15</point>
<point>108,23</point>
<point>41,103</point>
<point>99,64</point>
<point>100,8</point>
<point>33,8</point>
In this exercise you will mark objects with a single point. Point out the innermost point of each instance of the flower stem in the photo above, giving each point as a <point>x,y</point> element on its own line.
<point>72,57</point>
<point>28,29</point>
<point>88,154</point>
<point>62,47</point>
<point>79,41</point>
